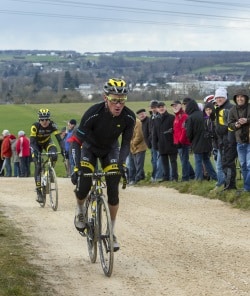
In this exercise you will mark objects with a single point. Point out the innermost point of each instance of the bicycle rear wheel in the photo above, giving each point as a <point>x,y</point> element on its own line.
<point>91,232</point>
<point>52,188</point>
<point>105,238</point>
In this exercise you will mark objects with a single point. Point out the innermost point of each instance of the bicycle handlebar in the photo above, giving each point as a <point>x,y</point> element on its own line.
<point>49,153</point>
<point>103,174</point>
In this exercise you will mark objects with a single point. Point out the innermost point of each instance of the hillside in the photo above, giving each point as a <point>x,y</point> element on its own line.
<point>33,75</point>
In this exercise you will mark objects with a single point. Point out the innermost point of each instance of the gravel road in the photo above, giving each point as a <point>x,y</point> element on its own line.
<point>171,244</point>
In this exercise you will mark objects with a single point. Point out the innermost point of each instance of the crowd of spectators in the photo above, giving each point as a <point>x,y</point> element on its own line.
<point>215,131</point>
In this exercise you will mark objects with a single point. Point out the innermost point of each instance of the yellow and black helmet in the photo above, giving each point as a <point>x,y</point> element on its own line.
<point>115,86</point>
<point>44,114</point>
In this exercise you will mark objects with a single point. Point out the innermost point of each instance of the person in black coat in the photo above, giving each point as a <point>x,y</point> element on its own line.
<point>201,143</point>
<point>163,142</point>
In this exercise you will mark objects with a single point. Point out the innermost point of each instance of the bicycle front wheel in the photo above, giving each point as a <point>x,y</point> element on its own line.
<point>105,239</point>
<point>91,231</point>
<point>53,188</point>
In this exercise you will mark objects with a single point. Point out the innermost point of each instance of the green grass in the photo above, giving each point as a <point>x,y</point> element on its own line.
<point>18,277</point>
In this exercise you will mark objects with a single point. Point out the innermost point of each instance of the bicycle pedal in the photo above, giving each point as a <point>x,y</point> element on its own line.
<point>84,232</point>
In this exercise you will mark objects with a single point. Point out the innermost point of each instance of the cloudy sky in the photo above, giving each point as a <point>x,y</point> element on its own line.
<point>98,26</point>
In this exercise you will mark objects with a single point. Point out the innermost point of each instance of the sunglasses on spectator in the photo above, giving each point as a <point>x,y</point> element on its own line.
<point>46,119</point>
<point>117,100</point>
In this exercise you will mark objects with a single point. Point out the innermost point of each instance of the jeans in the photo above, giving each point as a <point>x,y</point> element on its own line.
<point>159,168</point>
<point>157,171</point>
<point>8,167</point>
<point>131,168</point>
<point>219,170</point>
<point>25,166</point>
<point>187,169</point>
<point>139,159</point>
<point>243,150</point>
<point>205,159</point>
<point>17,170</point>
<point>169,172</point>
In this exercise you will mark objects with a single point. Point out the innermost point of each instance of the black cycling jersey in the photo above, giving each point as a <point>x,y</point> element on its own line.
<point>99,130</point>
<point>41,137</point>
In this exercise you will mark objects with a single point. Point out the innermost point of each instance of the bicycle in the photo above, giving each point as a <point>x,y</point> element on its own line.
<point>48,180</point>
<point>98,230</point>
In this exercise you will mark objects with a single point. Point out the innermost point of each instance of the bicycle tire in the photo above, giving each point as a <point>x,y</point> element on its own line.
<point>52,188</point>
<point>91,232</point>
<point>42,204</point>
<point>43,190</point>
<point>105,237</point>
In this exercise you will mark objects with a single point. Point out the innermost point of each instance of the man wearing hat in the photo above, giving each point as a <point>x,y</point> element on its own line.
<point>239,121</point>
<point>163,142</point>
<point>157,171</point>
<point>226,138</point>
<point>181,140</point>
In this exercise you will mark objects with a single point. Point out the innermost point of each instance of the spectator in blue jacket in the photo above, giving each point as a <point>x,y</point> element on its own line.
<point>71,126</point>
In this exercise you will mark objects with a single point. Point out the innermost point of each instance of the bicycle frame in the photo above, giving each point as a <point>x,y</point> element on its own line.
<point>99,228</point>
<point>48,180</point>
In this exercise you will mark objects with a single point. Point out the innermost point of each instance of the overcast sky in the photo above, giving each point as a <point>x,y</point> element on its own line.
<point>98,25</point>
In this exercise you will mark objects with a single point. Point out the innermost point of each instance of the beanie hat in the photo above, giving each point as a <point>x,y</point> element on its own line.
<point>21,133</point>
<point>72,121</point>
<point>5,133</point>
<point>220,92</point>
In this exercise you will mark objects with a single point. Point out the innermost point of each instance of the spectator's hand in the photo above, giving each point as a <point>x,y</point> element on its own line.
<point>74,176</point>
<point>63,152</point>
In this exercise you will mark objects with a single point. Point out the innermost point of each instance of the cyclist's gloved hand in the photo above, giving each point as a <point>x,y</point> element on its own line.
<point>74,176</point>
<point>123,170</point>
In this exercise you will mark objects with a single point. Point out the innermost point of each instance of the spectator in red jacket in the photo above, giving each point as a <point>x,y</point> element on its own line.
<point>6,152</point>
<point>181,140</point>
<point>23,150</point>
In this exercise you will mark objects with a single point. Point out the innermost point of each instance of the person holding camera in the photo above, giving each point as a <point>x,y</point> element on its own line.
<point>239,120</point>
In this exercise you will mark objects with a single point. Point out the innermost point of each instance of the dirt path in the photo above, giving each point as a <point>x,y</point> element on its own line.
<point>171,244</point>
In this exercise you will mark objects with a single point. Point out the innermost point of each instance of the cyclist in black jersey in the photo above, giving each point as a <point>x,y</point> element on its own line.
<point>97,138</point>
<point>40,139</point>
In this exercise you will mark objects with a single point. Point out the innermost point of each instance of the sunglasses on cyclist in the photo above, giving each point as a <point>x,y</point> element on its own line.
<point>117,100</point>
<point>46,119</point>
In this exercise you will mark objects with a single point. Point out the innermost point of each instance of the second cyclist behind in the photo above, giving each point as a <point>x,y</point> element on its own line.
<point>97,138</point>
<point>40,139</point>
